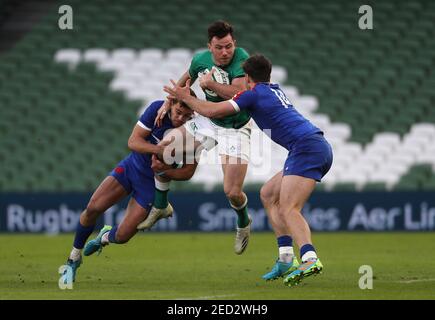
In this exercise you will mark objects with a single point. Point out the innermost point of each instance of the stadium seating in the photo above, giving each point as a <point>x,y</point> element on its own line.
<point>70,98</point>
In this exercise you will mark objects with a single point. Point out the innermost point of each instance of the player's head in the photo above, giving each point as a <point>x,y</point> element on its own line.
<point>180,112</point>
<point>221,42</point>
<point>257,69</point>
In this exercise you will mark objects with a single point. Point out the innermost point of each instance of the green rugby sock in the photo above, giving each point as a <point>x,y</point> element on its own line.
<point>242,214</point>
<point>161,194</point>
<point>161,199</point>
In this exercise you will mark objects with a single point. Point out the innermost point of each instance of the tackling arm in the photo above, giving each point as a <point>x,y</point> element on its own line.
<point>226,91</point>
<point>166,105</point>
<point>184,173</point>
<point>168,172</point>
<point>205,108</point>
<point>137,141</point>
<point>210,109</point>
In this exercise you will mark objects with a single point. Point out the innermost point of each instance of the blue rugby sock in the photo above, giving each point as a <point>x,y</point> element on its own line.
<point>82,234</point>
<point>112,235</point>
<point>308,252</point>
<point>284,241</point>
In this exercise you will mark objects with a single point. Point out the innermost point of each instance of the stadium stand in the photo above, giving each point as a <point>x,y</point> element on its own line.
<point>70,98</point>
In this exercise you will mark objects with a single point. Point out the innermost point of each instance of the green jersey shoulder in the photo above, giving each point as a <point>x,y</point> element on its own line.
<point>202,63</point>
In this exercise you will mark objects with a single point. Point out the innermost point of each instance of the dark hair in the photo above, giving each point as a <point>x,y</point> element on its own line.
<point>219,29</point>
<point>258,68</point>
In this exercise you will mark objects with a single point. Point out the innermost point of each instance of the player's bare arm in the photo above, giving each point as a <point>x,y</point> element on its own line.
<point>225,91</point>
<point>205,108</point>
<point>167,105</point>
<point>137,141</point>
<point>184,173</point>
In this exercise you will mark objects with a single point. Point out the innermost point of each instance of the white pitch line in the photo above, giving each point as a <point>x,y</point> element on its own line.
<point>208,297</point>
<point>416,280</point>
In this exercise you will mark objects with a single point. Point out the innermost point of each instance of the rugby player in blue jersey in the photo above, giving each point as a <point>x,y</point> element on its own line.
<point>134,175</point>
<point>309,159</point>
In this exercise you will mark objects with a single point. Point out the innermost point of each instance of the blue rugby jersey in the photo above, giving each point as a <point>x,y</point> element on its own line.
<point>146,121</point>
<point>271,109</point>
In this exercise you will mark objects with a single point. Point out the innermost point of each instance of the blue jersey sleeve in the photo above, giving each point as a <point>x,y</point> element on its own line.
<point>146,120</point>
<point>244,100</point>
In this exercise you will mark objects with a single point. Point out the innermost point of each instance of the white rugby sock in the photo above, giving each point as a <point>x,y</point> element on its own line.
<point>105,238</point>
<point>75,254</point>
<point>162,186</point>
<point>286,254</point>
<point>308,256</point>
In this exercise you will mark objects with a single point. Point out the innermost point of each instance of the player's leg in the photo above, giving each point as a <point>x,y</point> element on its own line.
<point>134,214</point>
<point>286,261</point>
<point>176,143</point>
<point>181,140</point>
<point>309,161</point>
<point>234,149</point>
<point>161,207</point>
<point>142,189</point>
<point>122,233</point>
<point>234,171</point>
<point>269,195</point>
<point>109,192</point>
<point>295,191</point>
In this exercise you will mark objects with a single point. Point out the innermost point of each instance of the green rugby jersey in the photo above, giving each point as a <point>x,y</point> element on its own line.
<point>202,63</point>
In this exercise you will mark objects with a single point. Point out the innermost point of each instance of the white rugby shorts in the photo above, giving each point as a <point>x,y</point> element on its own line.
<point>232,142</point>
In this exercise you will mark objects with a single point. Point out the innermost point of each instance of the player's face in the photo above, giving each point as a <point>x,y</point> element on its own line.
<point>222,49</point>
<point>180,114</point>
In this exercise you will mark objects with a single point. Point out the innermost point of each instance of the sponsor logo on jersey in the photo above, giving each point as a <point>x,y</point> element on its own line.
<point>193,126</point>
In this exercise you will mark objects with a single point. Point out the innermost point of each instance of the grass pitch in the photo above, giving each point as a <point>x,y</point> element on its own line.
<point>203,266</point>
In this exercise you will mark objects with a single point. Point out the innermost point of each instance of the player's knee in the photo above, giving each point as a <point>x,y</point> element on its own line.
<point>266,194</point>
<point>234,194</point>
<point>122,236</point>
<point>93,208</point>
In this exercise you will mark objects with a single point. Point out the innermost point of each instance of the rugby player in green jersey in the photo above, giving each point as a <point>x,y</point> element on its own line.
<point>220,74</point>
